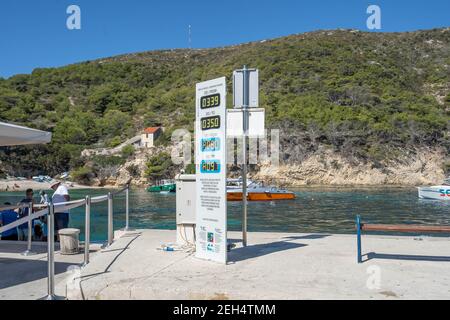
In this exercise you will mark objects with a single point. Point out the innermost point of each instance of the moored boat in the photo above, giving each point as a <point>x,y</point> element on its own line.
<point>440,192</point>
<point>163,186</point>
<point>256,191</point>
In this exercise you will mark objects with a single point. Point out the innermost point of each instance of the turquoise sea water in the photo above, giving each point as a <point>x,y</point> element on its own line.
<point>324,210</point>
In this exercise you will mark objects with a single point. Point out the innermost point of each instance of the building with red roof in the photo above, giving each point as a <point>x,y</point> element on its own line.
<point>149,135</point>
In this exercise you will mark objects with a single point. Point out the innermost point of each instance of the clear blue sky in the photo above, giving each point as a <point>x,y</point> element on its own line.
<point>34,33</point>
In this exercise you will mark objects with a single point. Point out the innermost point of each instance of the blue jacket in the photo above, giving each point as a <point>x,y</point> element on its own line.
<point>7,217</point>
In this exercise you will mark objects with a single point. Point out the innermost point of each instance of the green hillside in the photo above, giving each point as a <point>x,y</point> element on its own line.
<point>367,95</point>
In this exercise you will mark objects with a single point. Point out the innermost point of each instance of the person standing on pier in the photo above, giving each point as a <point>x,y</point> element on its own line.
<point>60,195</point>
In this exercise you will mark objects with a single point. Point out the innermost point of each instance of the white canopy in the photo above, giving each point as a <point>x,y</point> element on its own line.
<point>13,135</point>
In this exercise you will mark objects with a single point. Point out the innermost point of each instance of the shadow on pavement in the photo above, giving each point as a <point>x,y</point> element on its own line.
<point>373,255</point>
<point>258,250</point>
<point>308,237</point>
<point>18,271</point>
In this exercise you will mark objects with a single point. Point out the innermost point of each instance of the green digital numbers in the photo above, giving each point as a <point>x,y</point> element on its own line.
<point>210,101</point>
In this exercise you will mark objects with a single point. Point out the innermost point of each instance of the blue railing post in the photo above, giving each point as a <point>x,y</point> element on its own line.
<point>358,237</point>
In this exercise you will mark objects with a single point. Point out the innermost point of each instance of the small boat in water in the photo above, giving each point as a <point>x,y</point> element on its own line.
<point>163,186</point>
<point>42,178</point>
<point>441,192</point>
<point>256,191</point>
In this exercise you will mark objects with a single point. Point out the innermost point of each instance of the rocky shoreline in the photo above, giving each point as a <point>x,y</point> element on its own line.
<point>12,185</point>
<point>328,168</point>
<point>322,168</point>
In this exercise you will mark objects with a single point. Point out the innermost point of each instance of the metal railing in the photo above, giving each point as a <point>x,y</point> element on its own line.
<point>110,218</point>
<point>87,232</point>
<point>51,252</point>
<point>50,210</point>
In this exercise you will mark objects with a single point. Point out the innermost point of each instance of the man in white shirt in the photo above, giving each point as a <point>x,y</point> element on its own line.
<point>61,194</point>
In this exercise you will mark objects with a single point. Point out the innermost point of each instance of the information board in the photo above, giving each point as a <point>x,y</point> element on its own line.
<point>253,87</point>
<point>210,147</point>
<point>256,128</point>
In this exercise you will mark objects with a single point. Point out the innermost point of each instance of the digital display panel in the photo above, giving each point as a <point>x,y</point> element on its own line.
<point>210,101</point>
<point>209,123</point>
<point>210,144</point>
<point>210,166</point>
<point>211,170</point>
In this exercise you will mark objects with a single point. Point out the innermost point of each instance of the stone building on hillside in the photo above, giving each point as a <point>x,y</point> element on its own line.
<point>144,140</point>
<point>149,136</point>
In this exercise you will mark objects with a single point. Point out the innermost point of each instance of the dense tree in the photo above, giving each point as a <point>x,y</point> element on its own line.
<point>363,94</point>
<point>159,167</point>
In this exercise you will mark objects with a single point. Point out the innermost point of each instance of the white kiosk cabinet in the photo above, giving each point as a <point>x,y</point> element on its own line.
<point>185,209</point>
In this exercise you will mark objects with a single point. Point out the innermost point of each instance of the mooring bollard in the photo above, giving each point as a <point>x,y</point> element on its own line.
<point>87,232</point>
<point>110,218</point>
<point>51,251</point>
<point>28,252</point>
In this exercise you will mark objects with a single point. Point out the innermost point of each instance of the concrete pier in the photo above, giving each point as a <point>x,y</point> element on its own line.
<point>273,266</point>
<point>25,278</point>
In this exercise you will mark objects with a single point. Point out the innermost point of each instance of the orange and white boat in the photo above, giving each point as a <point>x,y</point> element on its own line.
<point>256,191</point>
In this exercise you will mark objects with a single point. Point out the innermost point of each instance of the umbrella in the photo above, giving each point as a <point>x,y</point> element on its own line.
<point>13,135</point>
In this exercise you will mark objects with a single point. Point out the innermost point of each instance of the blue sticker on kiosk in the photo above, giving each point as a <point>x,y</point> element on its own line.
<point>210,166</point>
<point>210,144</point>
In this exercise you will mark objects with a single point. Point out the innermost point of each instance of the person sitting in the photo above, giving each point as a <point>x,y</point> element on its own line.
<point>38,231</point>
<point>6,217</point>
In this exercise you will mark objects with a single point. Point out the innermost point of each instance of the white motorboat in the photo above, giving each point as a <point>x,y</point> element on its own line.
<point>256,191</point>
<point>440,192</point>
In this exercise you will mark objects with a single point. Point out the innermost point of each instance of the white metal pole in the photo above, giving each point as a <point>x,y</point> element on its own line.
<point>28,252</point>
<point>110,218</point>
<point>127,207</point>
<point>244,167</point>
<point>51,251</point>
<point>87,232</point>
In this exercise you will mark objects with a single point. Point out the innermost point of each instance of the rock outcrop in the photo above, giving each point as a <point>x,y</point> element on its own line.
<point>322,167</point>
<point>329,168</point>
